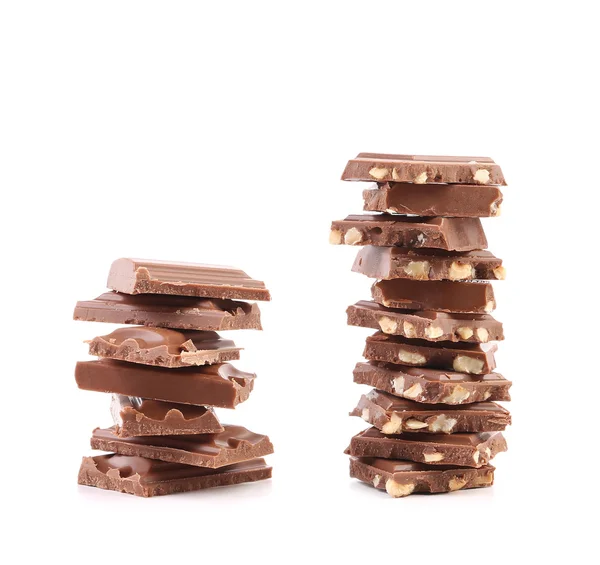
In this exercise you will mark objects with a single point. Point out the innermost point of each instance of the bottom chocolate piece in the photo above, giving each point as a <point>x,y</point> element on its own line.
<point>148,477</point>
<point>401,478</point>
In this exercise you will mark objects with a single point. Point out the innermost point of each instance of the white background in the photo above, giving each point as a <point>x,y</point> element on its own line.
<point>217,132</point>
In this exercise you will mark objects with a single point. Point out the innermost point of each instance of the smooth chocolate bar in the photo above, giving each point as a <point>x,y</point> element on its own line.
<point>149,477</point>
<point>232,445</point>
<point>140,276</point>
<point>401,478</point>
<point>180,312</point>
<point>452,234</point>
<point>219,385</point>
<point>450,200</point>
<point>474,358</point>
<point>465,450</point>
<point>393,415</point>
<point>426,324</point>
<point>421,169</point>
<point>443,296</point>
<point>164,347</point>
<point>427,264</point>
<point>134,416</point>
<point>432,386</point>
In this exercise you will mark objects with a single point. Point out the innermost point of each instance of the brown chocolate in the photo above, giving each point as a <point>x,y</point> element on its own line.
<point>164,347</point>
<point>401,478</point>
<point>421,169</point>
<point>452,234</point>
<point>432,386</point>
<point>426,324</point>
<point>219,385</point>
<point>474,358</point>
<point>148,477</point>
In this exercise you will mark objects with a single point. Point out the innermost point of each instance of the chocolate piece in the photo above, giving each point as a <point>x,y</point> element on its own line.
<point>426,324</point>
<point>140,276</point>
<point>453,234</point>
<point>450,200</point>
<point>432,386</point>
<point>164,347</point>
<point>135,416</point>
<point>444,296</point>
<point>212,385</point>
<point>465,450</point>
<point>182,312</point>
<point>393,415</point>
<point>427,264</point>
<point>232,445</point>
<point>401,478</point>
<point>472,358</point>
<point>148,477</point>
<point>422,169</point>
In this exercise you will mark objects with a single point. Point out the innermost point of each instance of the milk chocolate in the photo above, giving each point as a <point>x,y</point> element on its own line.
<point>426,324</point>
<point>421,169</point>
<point>452,234</point>
<point>443,296</point>
<point>219,385</point>
<point>181,312</point>
<point>474,358</point>
<point>134,416</point>
<point>427,264</point>
<point>149,477</point>
<point>164,347</point>
<point>401,478</point>
<point>393,415</point>
<point>432,386</point>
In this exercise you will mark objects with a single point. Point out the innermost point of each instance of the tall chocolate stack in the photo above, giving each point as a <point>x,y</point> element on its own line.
<point>167,375</point>
<point>435,427</point>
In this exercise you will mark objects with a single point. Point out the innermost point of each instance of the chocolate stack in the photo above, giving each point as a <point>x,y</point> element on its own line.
<point>167,375</point>
<point>435,427</point>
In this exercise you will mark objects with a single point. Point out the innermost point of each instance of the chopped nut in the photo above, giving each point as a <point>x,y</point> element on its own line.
<point>456,483</point>
<point>409,329</point>
<point>433,457</point>
<point>442,424</point>
<point>465,333</point>
<point>411,358</point>
<point>418,270</point>
<point>482,176</point>
<point>465,364</point>
<point>486,394</point>
<point>421,178</point>
<point>488,452</point>
<point>352,237</point>
<point>395,174</point>
<point>387,325</point>
<point>460,271</point>
<point>482,334</point>
<point>394,426</point>
<point>433,332</point>
<point>399,385</point>
<point>335,237</point>
<point>490,306</point>
<point>421,239</point>
<point>414,391</point>
<point>414,424</point>
<point>459,394</point>
<point>391,210</point>
<point>397,489</point>
<point>476,457</point>
<point>500,273</point>
<point>486,479</point>
<point>379,173</point>
<point>365,414</point>
<point>376,480</point>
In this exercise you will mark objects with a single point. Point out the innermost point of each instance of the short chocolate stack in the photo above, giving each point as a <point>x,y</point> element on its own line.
<point>167,376</point>
<point>435,427</point>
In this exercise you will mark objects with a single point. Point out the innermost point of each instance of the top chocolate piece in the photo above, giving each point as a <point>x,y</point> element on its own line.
<point>140,276</point>
<point>422,169</point>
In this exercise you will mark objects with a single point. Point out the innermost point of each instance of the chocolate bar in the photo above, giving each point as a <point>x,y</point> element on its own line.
<point>443,296</point>
<point>140,276</point>
<point>464,450</point>
<point>219,385</point>
<point>427,264</point>
<point>427,324</point>
<point>135,416</point>
<point>393,415</point>
<point>401,478</point>
<point>164,347</point>
<point>450,200</point>
<point>149,477</point>
<point>422,169</point>
<point>452,234</point>
<point>474,358</point>
<point>182,312</point>
<point>232,445</point>
<point>432,386</point>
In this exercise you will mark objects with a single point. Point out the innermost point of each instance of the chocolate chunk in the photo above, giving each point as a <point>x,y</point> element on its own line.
<point>426,324</point>
<point>181,312</point>
<point>401,478</point>
<point>393,415</point>
<point>453,234</point>
<point>149,477</point>
<point>474,358</point>
<point>164,347</point>
<point>219,385</point>
<point>422,169</point>
<point>432,386</point>
<point>427,264</point>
